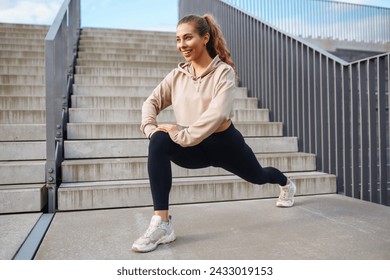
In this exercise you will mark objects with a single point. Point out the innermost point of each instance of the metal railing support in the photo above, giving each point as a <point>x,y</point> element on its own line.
<point>60,50</point>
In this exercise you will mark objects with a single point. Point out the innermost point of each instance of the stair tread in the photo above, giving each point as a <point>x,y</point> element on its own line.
<point>22,132</point>
<point>184,180</point>
<point>21,186</point>
<point>119,160</point>
<point>125,130</point>
<point>22,162</point>
<point>139,109</point>
<point>129,123</point>
<point>136,193</point>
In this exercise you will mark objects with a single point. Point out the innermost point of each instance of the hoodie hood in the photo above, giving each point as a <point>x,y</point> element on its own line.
<point>188,69</point>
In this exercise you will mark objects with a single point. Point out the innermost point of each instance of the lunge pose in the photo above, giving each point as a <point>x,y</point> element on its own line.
<point>201,92</point>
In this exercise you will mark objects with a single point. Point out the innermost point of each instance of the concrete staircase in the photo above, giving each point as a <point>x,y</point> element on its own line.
<point>22,118</point>
<point>106,154</point>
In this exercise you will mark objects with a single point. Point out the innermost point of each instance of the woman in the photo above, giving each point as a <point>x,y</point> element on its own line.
<point>201,92</point>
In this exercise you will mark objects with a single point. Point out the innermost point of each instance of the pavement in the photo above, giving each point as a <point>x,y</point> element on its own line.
<point>320,227</point>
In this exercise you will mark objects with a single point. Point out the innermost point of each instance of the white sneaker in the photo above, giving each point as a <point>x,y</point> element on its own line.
<point>286,197</point>
<point>157,233</point>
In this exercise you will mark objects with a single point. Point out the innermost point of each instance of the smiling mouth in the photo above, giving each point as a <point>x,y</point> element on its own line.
<point>186,53</point>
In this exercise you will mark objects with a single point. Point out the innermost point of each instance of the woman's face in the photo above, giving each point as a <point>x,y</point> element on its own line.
<point>190,43</point>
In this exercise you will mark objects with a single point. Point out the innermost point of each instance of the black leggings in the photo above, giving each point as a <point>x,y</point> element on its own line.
<point>226,149</point>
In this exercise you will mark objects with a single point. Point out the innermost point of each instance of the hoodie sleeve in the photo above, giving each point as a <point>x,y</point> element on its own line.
<point>218,111</point>
<point>155,103</point>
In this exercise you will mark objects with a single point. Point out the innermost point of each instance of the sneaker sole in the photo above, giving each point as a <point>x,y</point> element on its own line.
<point>284,205</point>
<point>165,240</point>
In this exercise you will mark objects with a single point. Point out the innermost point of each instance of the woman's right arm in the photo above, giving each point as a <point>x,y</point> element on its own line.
<point>154,104</point>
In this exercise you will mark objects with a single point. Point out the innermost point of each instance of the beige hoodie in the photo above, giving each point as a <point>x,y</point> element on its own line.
<point>200,104</point>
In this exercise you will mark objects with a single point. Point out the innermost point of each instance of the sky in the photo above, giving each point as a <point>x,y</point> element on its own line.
<point>159,15</point>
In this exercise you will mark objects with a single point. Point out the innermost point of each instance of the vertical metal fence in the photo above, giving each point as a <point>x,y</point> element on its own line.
<point>60,51</point>
<point>338,110</point>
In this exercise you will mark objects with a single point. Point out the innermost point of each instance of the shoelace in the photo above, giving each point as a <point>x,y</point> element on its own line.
<point>284,194</point>
<point>149,231</point>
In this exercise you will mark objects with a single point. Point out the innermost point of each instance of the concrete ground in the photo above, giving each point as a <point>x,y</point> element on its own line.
<point>14,228</point>
<point>332,227</point>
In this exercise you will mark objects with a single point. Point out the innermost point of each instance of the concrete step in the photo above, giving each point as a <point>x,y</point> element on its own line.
<point>169,41</point>
<point>22,54</point>
<point>93,149</point>
<point>24,41</point>
<point>118,71</point>
<point>135,193</point>
<point>131,57</point>
<point>116,80</point>
<point>22,172</point>
<point>131,51</point>
<point>112,90</point>
<point>97,115</point>
<point>22,132</point>
<point>131,130</point>
<point>107,32</point>
<point>22,61</point>
<point>127,34</point>
<point>126,64</point>
<point>22,34</point>
<point>32,90</point>
<point>22,198</point>
<point>22,70</point>
<point>85,45</point>
<point>22,102</point>
<point>129,102</point>
<point>134,91</point>
<point>88,170</point>
<point>22,80</point>
<point>22,117</point>
<point>17,47</point>
<point>11,151</point>
<point>17,27</point>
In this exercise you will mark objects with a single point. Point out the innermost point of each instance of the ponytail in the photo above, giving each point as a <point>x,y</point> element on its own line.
<point>216,44</point>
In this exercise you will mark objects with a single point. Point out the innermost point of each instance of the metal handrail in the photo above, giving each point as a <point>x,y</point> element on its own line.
<point>60,51</point>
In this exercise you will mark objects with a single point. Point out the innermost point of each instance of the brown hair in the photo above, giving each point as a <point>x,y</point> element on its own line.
<point>217,44</point>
